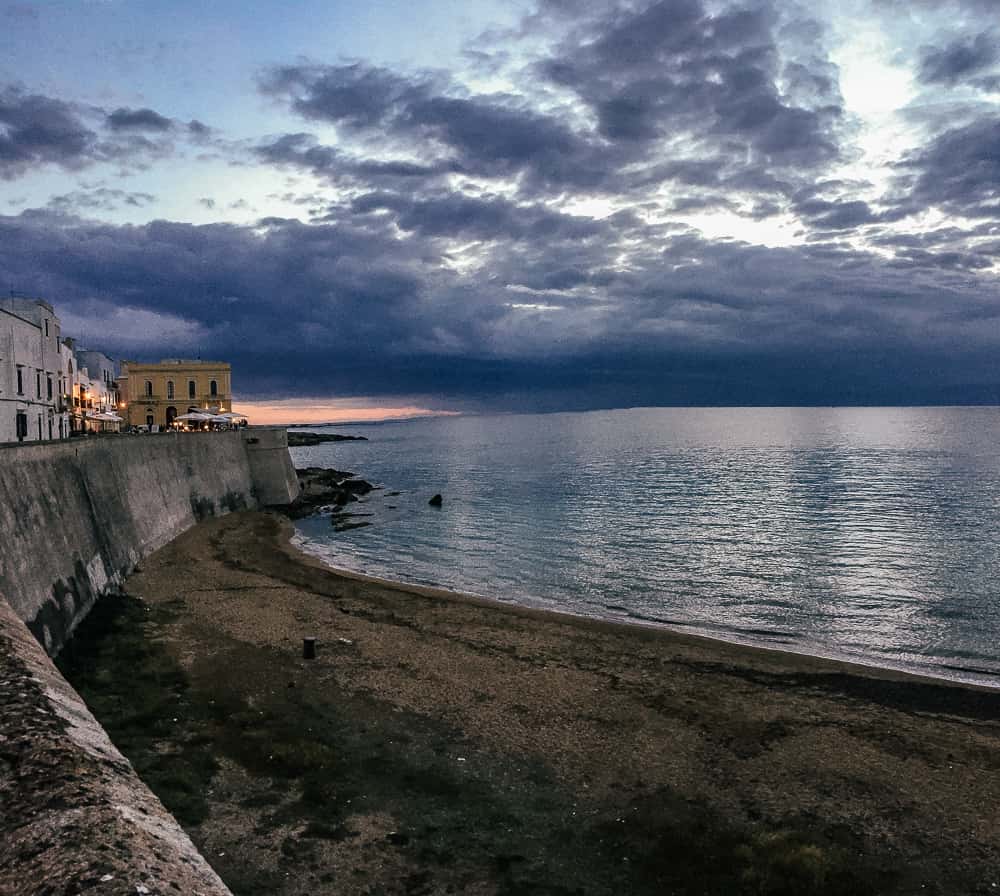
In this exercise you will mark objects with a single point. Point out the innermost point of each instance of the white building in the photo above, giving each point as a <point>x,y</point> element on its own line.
<point>32,383</point>
<point>95,392</point>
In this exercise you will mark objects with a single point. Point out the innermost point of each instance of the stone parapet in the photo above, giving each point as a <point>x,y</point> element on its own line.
<point>74,816</point>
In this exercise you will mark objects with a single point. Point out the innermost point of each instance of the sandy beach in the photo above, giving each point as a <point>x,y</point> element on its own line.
<point>443,744</point>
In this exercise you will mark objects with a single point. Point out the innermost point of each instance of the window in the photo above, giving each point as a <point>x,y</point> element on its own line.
<point>46,328</point>
<point>149,389</point>
<point>49,387</point>
<point>213,388</point>
<point>190,388</point>
<point>38,385</point>
<point>20,381</point>
<point>170,388</point>
<point>22,426</point>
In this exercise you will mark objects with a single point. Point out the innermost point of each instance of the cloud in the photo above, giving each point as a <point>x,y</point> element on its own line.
<point>480,135</point>
<point>958,60</point>
<point>135,329</point>
<point>99,199</point>
<point>622,100</point>
<point>138,120</point>
<point>534,243</point>
<point>957,171</point>
<point>37,130</point>
<point>539,307</point>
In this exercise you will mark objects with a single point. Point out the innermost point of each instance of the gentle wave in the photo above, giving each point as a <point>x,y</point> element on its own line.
<point>867,534</point>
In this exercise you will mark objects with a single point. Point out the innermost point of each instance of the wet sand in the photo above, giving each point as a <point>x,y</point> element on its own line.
<point>443,744</point>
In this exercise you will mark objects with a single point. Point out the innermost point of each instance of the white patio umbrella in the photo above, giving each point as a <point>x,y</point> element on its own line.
<point>194,415</point>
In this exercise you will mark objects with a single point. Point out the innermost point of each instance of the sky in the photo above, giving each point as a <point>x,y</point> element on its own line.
<point>430,206</point>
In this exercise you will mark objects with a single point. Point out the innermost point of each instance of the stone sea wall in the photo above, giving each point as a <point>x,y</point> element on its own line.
<point>74,816</point>
<point>77,517</point>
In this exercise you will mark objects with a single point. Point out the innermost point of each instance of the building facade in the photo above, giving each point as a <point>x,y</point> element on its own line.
<point>154,394</point>
<point>95,394</point>
<point>32,382</point>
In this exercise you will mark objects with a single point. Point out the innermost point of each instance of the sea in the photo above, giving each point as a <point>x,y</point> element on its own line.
<point>865,534</point>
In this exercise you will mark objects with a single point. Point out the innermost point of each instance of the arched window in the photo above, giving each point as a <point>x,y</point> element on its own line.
<point>149,389</point>
<point>170,388</point>
<point>190,388</point>
<point>213,388</point>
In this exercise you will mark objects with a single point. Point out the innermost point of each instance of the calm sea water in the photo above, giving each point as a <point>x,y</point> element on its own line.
<point>871,534</point>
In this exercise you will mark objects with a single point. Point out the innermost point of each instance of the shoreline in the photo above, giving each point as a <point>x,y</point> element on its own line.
<point>445,743</point>
<point>850,664</point>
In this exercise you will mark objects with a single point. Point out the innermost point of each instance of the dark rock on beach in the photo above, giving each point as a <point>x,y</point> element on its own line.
<point>320,488</point>
<point>308,439</point>
<point>436,501</point>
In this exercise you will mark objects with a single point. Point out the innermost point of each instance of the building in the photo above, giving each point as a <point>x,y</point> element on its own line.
<point>96,394</point>
<point>32,382</point>
<point>154,394</point>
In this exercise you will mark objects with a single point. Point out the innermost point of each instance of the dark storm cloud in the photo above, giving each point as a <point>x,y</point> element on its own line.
<point>672,68</point>
<point>372,301</point>
<point>484,218</point>
<point>357,96</point>
<point>138,120</point>
<point>446,250</point>
<point>959,60</point>
<point>660,93</point>
<point>485,136</point>
<point>36,130</point>
<point>957,171</point>
<point>303,150</point>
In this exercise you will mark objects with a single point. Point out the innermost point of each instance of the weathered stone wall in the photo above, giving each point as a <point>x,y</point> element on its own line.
<point>76,517</point>
<point>74,817</point>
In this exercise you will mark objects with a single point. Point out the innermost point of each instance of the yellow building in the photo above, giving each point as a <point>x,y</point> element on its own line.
<point>154,394</point>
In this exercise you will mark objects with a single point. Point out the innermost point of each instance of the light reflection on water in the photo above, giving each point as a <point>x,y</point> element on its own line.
<point>868,533</point>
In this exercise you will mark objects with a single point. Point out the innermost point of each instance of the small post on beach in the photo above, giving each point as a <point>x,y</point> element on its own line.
<point>308,648</point>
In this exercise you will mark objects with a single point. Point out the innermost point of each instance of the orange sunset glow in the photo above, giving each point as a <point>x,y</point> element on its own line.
<point>317,411</point>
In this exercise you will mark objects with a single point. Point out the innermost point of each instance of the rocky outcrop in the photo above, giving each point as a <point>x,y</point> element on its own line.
<point>322,488</point>
<point>309,439</point>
